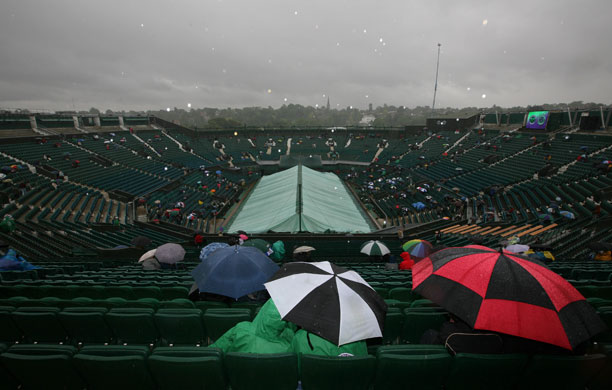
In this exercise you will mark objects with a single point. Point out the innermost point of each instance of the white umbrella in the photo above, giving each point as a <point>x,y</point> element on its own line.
<point>147,255</point>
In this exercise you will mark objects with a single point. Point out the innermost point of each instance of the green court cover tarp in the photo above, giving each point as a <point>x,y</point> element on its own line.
<point>300,199</point>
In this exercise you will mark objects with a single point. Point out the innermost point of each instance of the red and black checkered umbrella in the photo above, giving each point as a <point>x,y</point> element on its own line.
<point>507,293</point>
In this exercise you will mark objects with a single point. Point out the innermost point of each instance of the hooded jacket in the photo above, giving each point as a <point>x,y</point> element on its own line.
<point>267,333</point>
<point>308,343</point>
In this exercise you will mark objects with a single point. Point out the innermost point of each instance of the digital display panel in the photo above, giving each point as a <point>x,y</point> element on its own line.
<point>537,120</point>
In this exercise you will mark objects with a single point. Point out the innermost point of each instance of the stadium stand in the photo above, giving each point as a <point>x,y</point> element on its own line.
<point>90,309</point>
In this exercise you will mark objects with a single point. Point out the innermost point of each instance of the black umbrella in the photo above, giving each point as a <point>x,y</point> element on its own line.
<point>141,241</point>
<point>329,301</point>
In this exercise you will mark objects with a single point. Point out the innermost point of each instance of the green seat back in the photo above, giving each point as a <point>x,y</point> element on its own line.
<point>415,324</point>
<point>177,303</point>
<point>86,327</point>
<point>187,372</point>
<point>566,372</point>
<point>180,326</point>
<point>9,332</point>
<point>114,372</point>
<point>402,294</point>
<point>40,327</point>
<point>485,371</point>
<point>133,328</point>
<point>147,292</point>
<point>411,349</point>
<point>259,371</point>
<point>42,371</point>
<point>333,372</point>
<point>217,323</point>
<point>392,331</point>
<point>417,371</point>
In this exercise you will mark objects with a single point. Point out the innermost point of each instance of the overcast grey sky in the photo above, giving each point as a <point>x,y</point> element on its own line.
<point>127,54</point>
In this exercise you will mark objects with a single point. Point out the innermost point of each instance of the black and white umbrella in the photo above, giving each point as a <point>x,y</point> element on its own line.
<point>374,248</point>
<point>329,301</point>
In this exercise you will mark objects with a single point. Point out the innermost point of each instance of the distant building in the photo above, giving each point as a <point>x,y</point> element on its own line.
<point>367,120</point>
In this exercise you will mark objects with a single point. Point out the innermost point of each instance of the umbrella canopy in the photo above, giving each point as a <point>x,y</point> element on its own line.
<point>329,301</point>
<point>303,249</point>
<point>418,205</point>
<point>418,248</point>
<point>141,241</point>
<point>147,255</point>
<point>567,214</point>
<point>170,253</point>
<point>210,248</point>
<point>234,271</point>
<point>517,248</point>
<point>506,293</point>
<point>374,248</point>
<point>258,243</point>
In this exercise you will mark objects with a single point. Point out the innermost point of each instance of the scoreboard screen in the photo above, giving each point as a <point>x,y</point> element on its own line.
<point>537,120</point>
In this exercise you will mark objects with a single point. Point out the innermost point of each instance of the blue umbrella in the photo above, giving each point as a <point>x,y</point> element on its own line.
<point>567,214</point>
<point>218,172</point>
<point>234,271</point>
<point>418,205</point>
<point>210,248</point>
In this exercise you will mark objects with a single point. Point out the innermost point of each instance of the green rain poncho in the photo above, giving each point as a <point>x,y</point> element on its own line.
<point>267,333</point>
<point>320,346</point>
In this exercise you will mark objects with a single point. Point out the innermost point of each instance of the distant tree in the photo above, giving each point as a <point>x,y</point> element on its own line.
<point>223,123</point>
<point>94,110</point>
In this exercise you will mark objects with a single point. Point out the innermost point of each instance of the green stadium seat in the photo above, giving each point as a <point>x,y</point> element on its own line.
<point>177,303</point>
<point>9,331</point>
<point>114,372</point>
<point>411,349</point>
<point>261,372</point>
<point>428,371</point>
<point>115,350</point>
<point>147,292</point>
<point>402,294</point>
<point>174,292</point>
<point>48,371</point>
<point>198,368</point>
<point>561,372</point>
<point>180,326</point>
<point>133,326</point>
<point>394,323</point>
<point>40,324</point>
<point>205,305</point>
<point>334,372</point>
<point>603,380</point>
<point>86,325</point>
<point>416,323</point>
<point>483,371</point>
<point>219,321</point>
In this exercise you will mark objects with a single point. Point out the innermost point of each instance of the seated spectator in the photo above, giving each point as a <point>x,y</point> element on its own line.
<point>603,256</point>
<point>407,261</point>
<point>267,333</point>
<point>308,343</point>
